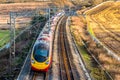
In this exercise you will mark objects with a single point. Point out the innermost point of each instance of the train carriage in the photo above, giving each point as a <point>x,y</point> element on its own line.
<point>41,56</point>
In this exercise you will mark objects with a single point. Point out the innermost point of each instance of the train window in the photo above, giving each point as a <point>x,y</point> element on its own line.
<point>45,39</point>
<point>46,32</point>
<point>41,52</point>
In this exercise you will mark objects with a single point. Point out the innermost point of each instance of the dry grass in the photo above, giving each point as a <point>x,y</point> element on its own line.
<point>110,64</point>
<point>104,20</point>
<point>78,28</point>
<point>62,3</point>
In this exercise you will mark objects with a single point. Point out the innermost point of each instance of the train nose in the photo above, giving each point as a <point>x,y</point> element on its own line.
<point>40,68</point>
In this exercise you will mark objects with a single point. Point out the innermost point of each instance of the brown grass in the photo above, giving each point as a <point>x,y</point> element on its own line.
<point>78,28</point>
<point>62,3</point>
<point>109,63</point>
<point>104,20</point>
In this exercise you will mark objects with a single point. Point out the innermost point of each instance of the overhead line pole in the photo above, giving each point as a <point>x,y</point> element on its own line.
<point>12,30</point>
<point>10,44</point>
<point>12,39</point>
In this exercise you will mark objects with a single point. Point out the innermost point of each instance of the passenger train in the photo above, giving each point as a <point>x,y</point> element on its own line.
<point>41,56</point>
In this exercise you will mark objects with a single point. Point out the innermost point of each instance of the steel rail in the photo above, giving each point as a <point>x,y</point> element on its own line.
<point>65,65</point>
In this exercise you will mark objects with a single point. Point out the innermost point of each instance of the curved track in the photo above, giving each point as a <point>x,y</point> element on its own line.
<point>65,66</point>
<point>68,68</point>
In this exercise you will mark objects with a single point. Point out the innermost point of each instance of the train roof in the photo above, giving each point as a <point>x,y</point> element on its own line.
<point>44,38</point>
<point>42,45</point>
<point>44,42</point>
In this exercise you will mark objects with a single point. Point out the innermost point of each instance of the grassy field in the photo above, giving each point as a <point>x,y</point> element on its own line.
<point>4,37</point>
<point>3,33</point>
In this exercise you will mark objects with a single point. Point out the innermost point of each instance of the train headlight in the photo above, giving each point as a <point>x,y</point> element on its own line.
<point>32,61</point>
<point>47,62</point>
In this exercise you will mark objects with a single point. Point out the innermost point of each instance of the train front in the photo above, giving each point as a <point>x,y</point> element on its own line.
<point>40,59</point>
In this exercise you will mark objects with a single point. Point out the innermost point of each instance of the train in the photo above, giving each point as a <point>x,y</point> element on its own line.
<point>41,55</point>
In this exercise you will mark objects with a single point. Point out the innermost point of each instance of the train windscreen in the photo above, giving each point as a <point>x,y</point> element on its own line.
<point>41,52</point>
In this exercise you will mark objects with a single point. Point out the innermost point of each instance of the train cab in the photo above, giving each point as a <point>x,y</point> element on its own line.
<point>40,59</point>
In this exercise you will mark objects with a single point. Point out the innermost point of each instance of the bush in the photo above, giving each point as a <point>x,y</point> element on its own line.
<point>39,18</point>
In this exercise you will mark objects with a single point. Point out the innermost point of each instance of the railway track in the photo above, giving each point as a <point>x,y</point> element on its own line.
<point>62,53</point>
<point>39,76</point>
<point>66,66</point>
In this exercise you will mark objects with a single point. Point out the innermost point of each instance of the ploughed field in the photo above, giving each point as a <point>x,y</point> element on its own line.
<point>104,23</point>
<point>24,8</point>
